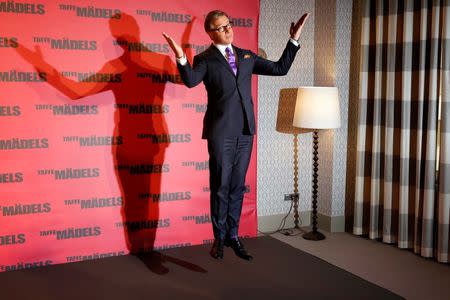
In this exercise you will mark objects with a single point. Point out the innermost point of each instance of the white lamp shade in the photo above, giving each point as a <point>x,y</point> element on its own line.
<point>317,108</point>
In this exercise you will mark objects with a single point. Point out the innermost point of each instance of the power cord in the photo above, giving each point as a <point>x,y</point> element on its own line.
<point>287,232</point>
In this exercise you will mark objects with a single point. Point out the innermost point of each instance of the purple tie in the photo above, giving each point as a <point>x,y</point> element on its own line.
<point>231,59</point>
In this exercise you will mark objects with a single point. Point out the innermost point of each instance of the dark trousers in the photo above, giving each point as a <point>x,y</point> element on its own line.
<point>228,163</point>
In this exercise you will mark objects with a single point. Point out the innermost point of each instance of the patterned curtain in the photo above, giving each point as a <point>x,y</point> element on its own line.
<point>443,236</point>
<point>402,191</point>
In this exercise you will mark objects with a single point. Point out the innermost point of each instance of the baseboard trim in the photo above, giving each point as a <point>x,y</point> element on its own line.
<point>272,222</point>
<point>331,224</point>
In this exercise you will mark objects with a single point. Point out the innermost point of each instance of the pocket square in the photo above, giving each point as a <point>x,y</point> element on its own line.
<point>247,56</point>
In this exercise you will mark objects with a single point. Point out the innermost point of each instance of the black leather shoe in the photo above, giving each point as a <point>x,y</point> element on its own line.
<point>217,249</point>
<point>238,248</point>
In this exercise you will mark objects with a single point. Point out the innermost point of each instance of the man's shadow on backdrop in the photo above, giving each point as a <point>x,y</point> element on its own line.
<point>131,90</point>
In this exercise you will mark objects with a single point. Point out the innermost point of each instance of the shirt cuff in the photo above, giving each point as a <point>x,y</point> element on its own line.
<point>296,43</point>
<point>182,60</point>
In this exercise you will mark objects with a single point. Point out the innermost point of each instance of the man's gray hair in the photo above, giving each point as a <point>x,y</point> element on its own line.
<point>212,15</point>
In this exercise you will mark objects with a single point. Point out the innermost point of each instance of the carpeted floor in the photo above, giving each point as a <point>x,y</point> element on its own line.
<point>278,271</point>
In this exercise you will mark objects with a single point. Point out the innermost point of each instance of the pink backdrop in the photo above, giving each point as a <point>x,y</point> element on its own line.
<point>100,143</point>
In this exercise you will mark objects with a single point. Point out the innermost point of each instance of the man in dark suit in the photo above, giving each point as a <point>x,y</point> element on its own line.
<point>229,122</point>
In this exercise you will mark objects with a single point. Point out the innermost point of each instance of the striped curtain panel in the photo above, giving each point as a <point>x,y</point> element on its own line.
<point>402,191</point>
<point>443,236</point>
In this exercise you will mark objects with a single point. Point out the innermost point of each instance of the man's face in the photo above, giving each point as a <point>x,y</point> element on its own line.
<point>225,37</point>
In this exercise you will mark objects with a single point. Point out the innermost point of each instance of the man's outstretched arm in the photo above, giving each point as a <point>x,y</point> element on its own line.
<point>191,76</point>
<point>282,66</point>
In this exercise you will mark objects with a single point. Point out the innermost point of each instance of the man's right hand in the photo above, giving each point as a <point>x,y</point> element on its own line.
<point>175,47</point>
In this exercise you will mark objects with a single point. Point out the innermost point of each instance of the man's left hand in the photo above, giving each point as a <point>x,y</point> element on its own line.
<point>296,29</point>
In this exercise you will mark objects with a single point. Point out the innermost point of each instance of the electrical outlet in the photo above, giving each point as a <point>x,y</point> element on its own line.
<point>288,197</point>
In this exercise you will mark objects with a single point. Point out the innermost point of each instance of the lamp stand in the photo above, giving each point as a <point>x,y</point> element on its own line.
<point>315,235</point>
<point>296,217</point>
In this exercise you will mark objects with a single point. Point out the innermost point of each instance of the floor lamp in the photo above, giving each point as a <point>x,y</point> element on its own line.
<point>316,108</point>
<point>285,115</point>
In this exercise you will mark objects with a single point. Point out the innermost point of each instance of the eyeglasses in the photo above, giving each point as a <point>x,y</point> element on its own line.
<point>223,28</point>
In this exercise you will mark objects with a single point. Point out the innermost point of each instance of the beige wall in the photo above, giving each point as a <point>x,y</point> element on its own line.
<point>324,59</point>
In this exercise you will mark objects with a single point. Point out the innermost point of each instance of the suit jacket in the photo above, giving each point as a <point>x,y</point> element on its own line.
<point>230,103</point>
